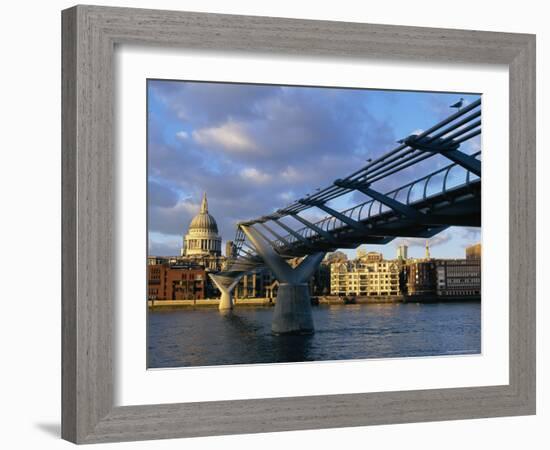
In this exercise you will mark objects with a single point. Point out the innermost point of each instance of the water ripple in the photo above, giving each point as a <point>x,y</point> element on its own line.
<point>204,337</point>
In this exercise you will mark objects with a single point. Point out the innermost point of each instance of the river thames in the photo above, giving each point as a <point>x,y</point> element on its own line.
<point>205,337</point>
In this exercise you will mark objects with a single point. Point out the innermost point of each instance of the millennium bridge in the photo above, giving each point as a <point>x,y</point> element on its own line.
<point>448,196</point>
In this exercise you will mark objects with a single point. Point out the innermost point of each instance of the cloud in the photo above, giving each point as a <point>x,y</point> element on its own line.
<point>230,136</point>
<point>183,135</point>
<point>254,175</point>
<point>470,234</point>
<point>291,174</point>
<point>210,103</point>
<point>435,241</point>
<point>172,220</point>
<point>160,195</point>
<point>170,248</point>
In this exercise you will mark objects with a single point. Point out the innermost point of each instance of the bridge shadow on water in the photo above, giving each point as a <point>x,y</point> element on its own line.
<point>294,348</point>
<point>262,344</point>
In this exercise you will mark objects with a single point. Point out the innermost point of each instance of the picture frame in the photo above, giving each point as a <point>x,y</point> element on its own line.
<point>89,37</point>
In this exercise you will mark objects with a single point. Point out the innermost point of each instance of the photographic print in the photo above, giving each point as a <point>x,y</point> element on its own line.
<point>299,223</point>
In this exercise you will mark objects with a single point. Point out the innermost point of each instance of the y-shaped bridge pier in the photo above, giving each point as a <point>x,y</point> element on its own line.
<point>293,305</point>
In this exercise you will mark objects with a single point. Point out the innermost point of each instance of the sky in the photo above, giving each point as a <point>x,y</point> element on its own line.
<point>256,148</point>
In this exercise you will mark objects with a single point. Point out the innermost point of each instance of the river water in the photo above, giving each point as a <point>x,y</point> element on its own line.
<point>205,337</point>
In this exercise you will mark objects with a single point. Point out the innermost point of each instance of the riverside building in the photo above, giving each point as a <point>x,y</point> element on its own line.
<point>173,282</point>
<point>421,278</point>
<point>458,277</point>
<point>368,275</point>
<point>445,278</point>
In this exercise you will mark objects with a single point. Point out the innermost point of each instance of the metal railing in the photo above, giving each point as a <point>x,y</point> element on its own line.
<point>372,209</point>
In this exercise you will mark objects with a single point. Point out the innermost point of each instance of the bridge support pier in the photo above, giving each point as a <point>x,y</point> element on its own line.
<point>292,313</point>
<point>226,284</point>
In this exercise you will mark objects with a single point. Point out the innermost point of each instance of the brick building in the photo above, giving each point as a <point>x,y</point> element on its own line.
<point>172,282</point>
<point>421,277</point>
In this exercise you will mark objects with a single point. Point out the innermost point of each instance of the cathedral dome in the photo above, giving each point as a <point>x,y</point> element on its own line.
<point>203,221</point>
<point>202,239</point>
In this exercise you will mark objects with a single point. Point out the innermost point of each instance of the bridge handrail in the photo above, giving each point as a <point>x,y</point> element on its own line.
<point>403,151</point>
<point>324,223</point>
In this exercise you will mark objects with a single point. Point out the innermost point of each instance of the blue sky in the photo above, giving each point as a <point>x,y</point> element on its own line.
<point>256,148</point>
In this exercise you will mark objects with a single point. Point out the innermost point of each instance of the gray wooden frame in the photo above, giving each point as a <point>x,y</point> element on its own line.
<point>89,36</point>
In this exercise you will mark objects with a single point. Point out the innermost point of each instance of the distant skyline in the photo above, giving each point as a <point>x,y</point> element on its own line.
<point>256,148</point>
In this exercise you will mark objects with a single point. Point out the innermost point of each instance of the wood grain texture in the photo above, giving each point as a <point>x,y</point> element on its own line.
<point>89,36</point>
<point>68,226</point>
<point>523,224</point>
